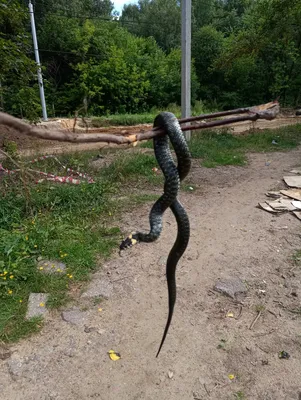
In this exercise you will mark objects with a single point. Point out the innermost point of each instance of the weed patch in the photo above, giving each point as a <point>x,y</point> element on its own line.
<point>216,148</point>
<point>134,168</point>
<point>70,223</point>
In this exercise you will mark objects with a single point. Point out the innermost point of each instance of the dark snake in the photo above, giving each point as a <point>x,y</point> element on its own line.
<point>173,176</point>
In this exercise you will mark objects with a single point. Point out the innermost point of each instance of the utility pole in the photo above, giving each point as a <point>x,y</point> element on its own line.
<point>36,52</point>
<point>186,61</point>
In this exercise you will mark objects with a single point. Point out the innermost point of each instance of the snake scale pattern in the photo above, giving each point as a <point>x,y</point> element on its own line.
<point>173,176</point>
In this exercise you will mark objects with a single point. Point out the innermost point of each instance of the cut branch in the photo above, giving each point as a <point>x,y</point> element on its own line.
<point>267,111</point>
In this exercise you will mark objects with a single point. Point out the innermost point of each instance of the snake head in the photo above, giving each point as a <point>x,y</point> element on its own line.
<point>128,242</point>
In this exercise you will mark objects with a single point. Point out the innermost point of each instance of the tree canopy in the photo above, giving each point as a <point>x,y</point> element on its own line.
<point>244,52</point>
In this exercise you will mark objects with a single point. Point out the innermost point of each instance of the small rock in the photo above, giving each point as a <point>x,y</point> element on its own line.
<point>170,374</point>
<point>162,260</point>
<point>75,317</point>
<point>231,287</point>
<point>4,354</point>
<point>51,267</point>
<point>37,305</point>
<point>99,288</point>
<point>15,367</point>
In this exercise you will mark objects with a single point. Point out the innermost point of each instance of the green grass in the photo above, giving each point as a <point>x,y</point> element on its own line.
<point>74,224</point>
<point>296,258</point>
<point>239,395</point>
<point>144,118</point>
<point>216,148</point>
<point>123,120</point>
<point>143,198</point>
<point>136,167</point>
<point>225,149</point>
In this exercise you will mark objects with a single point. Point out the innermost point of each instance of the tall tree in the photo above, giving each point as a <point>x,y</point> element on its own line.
<point>17,68</point>
<point>268,48</point>
<point>160,19</point>
<point>203,12</point>
<point>207,45</point>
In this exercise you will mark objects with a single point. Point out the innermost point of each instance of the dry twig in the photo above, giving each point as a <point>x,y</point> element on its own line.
<point>272,312</point>
<point>265,351</point>
<point>240,312</point>
<point>20,168</point>
<point>255,320</point>
<point>207,391</point>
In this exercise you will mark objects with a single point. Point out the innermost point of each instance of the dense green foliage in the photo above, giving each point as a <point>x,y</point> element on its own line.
<point>244,52</point>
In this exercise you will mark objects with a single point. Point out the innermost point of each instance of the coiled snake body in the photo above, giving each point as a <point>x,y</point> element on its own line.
<point>173,175</point>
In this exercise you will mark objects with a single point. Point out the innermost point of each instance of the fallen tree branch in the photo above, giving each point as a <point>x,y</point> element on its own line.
<point>220,114</point>
<point>266,111</point>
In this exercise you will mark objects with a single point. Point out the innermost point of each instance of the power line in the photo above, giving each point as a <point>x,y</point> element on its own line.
<point>111,56</point>
<point>68,53</point>
<point>91,17</point>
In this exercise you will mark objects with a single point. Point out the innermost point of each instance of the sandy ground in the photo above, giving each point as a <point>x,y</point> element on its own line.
<point>230,238</point>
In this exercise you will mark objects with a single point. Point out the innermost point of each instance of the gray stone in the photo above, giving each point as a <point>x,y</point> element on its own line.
<point>15,367</point>
<point>75,317</point>
<point>37,305</point>
<point>99,288</point>
<point>162,260</point>
<point>51,267</point>
<point>230,287</point>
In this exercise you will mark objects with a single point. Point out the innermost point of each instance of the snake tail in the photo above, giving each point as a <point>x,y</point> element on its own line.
<point>175,254</point>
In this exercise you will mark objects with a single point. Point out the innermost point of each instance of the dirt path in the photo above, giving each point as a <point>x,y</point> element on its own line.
<point>230,238</point>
